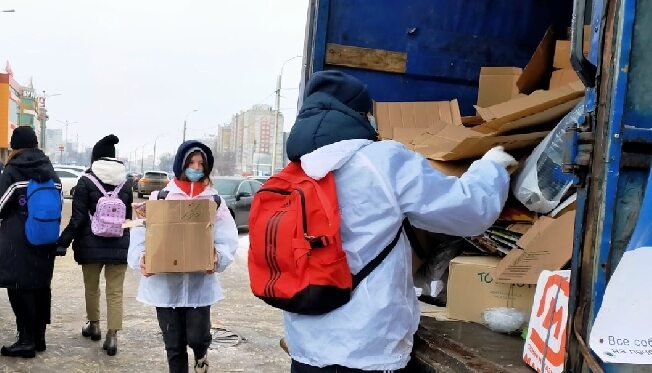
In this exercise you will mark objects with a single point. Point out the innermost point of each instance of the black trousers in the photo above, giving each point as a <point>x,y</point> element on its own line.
<point>31,308</point>
<point>183,327</point>
<point>298,367</point>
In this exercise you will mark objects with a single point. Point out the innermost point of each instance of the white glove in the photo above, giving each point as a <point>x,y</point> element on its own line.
<point>499,156</point>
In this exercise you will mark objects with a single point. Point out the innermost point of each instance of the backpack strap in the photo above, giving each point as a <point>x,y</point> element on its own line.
<point>97,183</point>
<point>420,252</point>
<point>375,262</point>
<point>162,194</point>
<point>117,189</point>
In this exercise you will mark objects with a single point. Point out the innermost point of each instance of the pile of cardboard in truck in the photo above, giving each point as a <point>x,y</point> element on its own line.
<point>516,108</point>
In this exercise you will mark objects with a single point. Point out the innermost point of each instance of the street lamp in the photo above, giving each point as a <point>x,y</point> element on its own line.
<point>278,109</point>
<point>185,123</point>
<point>41,102</point>
<point>67,123</point>
<point>154,160</point>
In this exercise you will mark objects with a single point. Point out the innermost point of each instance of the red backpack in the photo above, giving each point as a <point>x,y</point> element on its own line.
<point>296,259</point>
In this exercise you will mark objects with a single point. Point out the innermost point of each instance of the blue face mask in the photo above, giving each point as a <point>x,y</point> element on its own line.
<point>194,175</point>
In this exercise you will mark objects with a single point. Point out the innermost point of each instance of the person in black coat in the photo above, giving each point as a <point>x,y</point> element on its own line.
<point>94,252</point>
<point>25,270</point>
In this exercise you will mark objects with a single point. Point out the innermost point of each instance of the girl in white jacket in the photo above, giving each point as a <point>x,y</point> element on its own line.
<point>183,301</point>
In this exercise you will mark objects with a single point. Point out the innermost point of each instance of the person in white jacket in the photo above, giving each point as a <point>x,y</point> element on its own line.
<point>379,184</point>
<point>183,301</point>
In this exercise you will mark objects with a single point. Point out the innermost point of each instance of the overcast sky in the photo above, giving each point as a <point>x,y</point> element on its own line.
<point>136,68</point>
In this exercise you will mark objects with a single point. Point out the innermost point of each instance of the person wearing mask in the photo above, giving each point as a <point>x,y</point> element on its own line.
<point>379,184</point>
<point>106,177</point>
<point>183,301</point>
<point>25,269</point>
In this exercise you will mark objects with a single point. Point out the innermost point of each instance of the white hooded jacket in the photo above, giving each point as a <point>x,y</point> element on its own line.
<point>186,289</point>
<point>378,185</point>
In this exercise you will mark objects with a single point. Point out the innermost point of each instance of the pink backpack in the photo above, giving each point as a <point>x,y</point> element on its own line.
<point>110,212</point>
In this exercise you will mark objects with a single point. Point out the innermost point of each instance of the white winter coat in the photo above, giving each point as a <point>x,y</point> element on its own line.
<point>378,185</point>
<point>186,289</point>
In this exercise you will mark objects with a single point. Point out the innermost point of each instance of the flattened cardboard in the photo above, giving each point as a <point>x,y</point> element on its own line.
<point>451,168</point>
<point>390,115</point>
<point>563,77</point>
<point>528,111</point>
<point>472,121</point>
<point>471,289</point>
<point>458,143</point>
<point>562,55</point>
<point>548,245</point>
<point>179,236</point>
<point>497,84</point>
<point>537,71</point>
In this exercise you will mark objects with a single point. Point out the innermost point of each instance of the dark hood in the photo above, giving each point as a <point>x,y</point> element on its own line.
<point>325,119</point>
<point>32,164</point>
<point>184,150</point>
<point>322,121</point>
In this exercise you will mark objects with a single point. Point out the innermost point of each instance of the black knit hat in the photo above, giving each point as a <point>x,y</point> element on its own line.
<point>105,148</point>
<point>23,137</point>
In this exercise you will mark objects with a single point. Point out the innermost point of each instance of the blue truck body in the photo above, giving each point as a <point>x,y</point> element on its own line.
<point>445,42</point>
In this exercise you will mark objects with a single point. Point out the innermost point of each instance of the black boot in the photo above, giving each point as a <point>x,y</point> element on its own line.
<point>39,340</point>
<point>92,330</point>
<point>111,342</point>
<point>24,346</point>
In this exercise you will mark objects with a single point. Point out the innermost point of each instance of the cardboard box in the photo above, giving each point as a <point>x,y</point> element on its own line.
<point>562,55</point>
<point>472,121</point>
<point>451,168</point>
<point>529,111</point>
<point>471,289</point>
<point>457,143</point>
<point>537,71</point>
<point>497,84</point>
<point>179,236</point>
<point>563,77</point>
<point>545,345</point>
<point>548,245</point>
<point>391,115</point>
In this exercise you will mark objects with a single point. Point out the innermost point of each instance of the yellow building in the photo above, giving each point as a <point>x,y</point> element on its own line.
<point>10,92</point>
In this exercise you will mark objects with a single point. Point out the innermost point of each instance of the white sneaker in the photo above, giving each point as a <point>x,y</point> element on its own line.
<point>201,365</point>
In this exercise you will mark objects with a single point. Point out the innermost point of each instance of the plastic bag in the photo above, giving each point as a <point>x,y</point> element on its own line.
<point>540,184</point>
<point>503,319</point>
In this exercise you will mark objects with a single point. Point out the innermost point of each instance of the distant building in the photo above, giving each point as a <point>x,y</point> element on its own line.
<point>19,106</point>
<point>252,140</point>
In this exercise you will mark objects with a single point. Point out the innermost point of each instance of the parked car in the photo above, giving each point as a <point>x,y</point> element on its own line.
<point>152,181</point>
<point>69,179</point>
<point>238,192</point>
<point>260,179</point>
<point>76,168</point>
<point>134,177</point>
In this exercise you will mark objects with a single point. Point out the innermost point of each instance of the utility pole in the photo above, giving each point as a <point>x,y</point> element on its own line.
<point>276,117</point>
<point>142,160</point>
<point>185,123</point>
<point>277,114</point>
<point>253,154</point>
<point>66,124</point>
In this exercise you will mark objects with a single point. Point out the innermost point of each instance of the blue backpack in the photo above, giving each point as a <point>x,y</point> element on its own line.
<point>43,213</point>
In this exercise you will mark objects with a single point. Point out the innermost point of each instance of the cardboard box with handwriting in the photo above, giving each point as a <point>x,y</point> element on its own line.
<point>180,236</point>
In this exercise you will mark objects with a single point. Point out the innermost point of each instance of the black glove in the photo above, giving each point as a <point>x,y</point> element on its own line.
<point>60,251</point>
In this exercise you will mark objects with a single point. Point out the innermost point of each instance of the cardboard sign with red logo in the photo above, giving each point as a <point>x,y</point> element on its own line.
<point>545,347</point>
